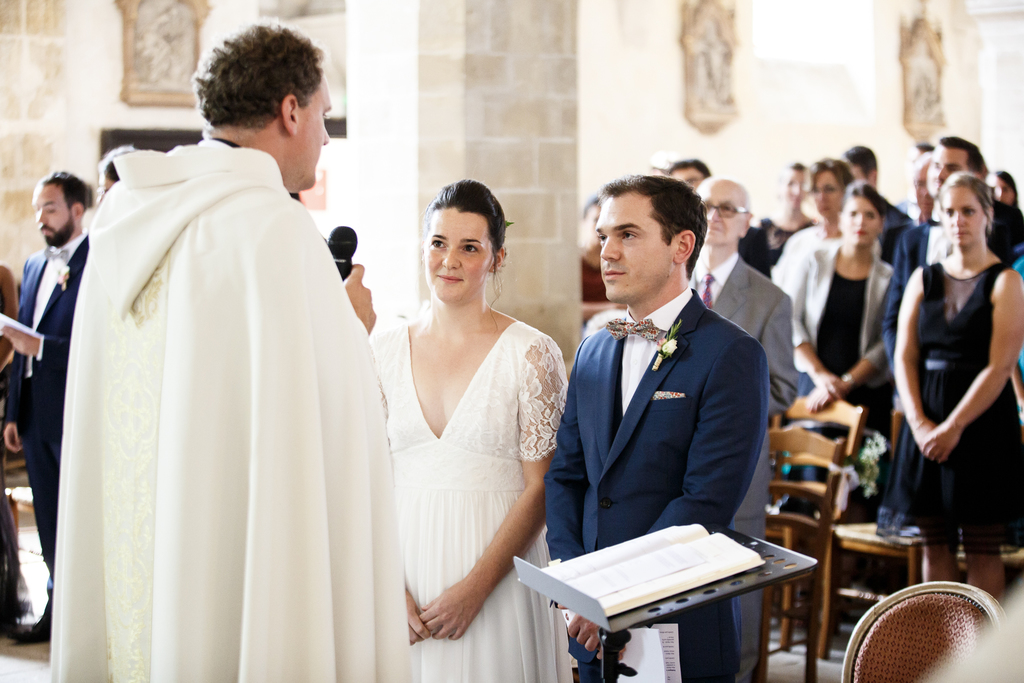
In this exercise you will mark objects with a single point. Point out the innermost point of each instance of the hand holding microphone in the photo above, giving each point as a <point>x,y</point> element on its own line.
<point>342,243</point>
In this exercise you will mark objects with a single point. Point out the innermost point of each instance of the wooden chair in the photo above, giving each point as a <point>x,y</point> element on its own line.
<point>854,418</point>
<point>904,636</point>
<point>840,412</point>
<point>863,539</point>
<point>807,533</point>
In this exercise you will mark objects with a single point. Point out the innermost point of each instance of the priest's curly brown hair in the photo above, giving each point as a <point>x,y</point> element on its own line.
<point>242,80</point>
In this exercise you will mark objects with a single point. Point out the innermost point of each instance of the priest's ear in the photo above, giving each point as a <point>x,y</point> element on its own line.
<point>289,111</point>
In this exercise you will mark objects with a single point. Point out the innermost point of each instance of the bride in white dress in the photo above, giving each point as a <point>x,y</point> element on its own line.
<point>474,399</point>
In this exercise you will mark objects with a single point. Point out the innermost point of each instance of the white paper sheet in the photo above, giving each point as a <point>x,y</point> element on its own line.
<point>652,652</point>
<point>643,653</point>
<point>670,650</point>
<point>6,321</point>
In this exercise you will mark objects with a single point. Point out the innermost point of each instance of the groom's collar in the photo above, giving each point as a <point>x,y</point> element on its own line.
<point>666,316</point>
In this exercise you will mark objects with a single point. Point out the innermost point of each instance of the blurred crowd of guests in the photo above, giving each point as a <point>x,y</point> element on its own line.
<point>915,305</point>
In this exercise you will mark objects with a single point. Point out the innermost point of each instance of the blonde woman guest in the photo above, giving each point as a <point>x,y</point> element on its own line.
<point>474,399</point>
<point>828,181</point>
<point>958,464</point>
<point>838,301</point>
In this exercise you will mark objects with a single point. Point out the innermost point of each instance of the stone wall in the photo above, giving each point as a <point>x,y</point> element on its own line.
<point>520,128</point>
<point>441,90</point>
<point>32,116</point>
<point>631,95</point>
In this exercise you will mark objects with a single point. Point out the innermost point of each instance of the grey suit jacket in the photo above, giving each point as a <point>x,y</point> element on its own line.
<point>753,302</point>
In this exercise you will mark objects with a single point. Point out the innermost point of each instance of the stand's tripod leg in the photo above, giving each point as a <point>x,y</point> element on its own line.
<point>612,645</point>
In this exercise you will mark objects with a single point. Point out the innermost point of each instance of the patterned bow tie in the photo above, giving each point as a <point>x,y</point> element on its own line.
<point>646,328</point>
<point>56,253</point>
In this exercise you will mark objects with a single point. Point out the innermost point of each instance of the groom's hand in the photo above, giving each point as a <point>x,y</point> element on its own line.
<point>585,632</point>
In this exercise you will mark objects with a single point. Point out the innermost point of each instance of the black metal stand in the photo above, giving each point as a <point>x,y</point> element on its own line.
<point>780,564</point>
<point>612,645</point>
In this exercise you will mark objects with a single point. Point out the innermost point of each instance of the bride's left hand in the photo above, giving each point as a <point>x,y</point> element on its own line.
<point>450,614</point>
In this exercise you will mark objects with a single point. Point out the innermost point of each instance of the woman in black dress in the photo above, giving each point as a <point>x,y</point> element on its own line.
<point>958,468</point>
<point>838,296</point>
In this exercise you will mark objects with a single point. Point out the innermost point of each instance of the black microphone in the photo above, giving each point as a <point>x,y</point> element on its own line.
<point>343,243</point>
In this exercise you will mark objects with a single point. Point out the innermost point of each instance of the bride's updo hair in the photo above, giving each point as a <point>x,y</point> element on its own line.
<point>470,196</point>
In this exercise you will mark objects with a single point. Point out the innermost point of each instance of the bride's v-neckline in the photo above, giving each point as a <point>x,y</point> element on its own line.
<point>469,387</point>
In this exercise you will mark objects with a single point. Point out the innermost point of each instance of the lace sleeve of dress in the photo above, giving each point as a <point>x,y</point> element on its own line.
<point>541,400</point>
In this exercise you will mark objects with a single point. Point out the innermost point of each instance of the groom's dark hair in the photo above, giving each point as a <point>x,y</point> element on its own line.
<point>674,204</point>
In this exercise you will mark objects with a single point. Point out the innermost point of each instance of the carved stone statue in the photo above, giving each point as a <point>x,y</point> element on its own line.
<point>709,41</point>
<point>161,49</point>
<point>922,60</point>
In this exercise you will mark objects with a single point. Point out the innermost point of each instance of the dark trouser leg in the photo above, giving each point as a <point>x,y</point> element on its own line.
<point>42,460</point>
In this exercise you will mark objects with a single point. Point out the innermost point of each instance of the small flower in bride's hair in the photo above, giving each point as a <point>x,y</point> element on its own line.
<point>509,224</point>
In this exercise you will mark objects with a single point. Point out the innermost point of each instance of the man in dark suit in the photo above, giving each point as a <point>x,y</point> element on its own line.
<point>926,244</point>
<point>740,294</point>
<point>35,405</point>
<point>864,166</point>
<point>657,436</point>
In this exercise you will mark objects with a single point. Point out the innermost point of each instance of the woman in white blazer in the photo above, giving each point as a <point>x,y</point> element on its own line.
<point>838,294</point>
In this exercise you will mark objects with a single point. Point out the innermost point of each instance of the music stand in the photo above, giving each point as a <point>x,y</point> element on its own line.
<point>781,564</point>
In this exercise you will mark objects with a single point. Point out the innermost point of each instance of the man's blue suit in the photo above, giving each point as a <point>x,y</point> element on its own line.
<point>37,403</point>
<point>668,462</point>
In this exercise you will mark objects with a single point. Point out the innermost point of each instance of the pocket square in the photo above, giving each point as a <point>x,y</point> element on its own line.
<point>662,395</point>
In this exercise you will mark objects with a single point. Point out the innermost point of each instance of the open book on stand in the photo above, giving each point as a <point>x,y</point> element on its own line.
<point>641,571</point>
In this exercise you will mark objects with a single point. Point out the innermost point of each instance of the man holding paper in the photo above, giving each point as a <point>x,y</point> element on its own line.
<point>665,414</point>
<point>35,405</point>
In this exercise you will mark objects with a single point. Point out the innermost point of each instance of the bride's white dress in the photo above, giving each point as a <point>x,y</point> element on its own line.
<point>453,493</point>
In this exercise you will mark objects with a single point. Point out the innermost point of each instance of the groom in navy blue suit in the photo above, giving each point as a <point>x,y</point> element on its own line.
<point>647,444</point>
<point>35,404</point>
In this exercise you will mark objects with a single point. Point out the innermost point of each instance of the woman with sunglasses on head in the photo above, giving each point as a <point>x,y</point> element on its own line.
<point>473,401</point>
<point>958,464</point>
<point>838,296</point>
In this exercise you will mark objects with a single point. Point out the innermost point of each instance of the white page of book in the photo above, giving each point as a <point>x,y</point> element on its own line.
<point>674,558</point>
<point>608,557</point>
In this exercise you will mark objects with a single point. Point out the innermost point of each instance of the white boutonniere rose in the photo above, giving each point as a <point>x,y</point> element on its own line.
<point>666,347</point>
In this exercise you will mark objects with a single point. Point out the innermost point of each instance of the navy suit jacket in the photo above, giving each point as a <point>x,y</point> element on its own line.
<point>668,462</point>
<point>49,375</point>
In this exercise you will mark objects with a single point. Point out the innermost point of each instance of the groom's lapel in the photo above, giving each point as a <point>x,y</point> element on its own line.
<point>609,365</point>
<point>652,379</point>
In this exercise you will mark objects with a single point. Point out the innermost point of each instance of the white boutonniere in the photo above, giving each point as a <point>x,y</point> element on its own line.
<point>62,277</point>
<point>667,346</point>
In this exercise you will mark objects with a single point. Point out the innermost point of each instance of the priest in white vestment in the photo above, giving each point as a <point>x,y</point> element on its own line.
<point>226,509</point>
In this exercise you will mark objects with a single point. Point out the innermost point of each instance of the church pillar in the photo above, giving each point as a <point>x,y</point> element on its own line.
<point>441,90</point>
<point>1001,67</point>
